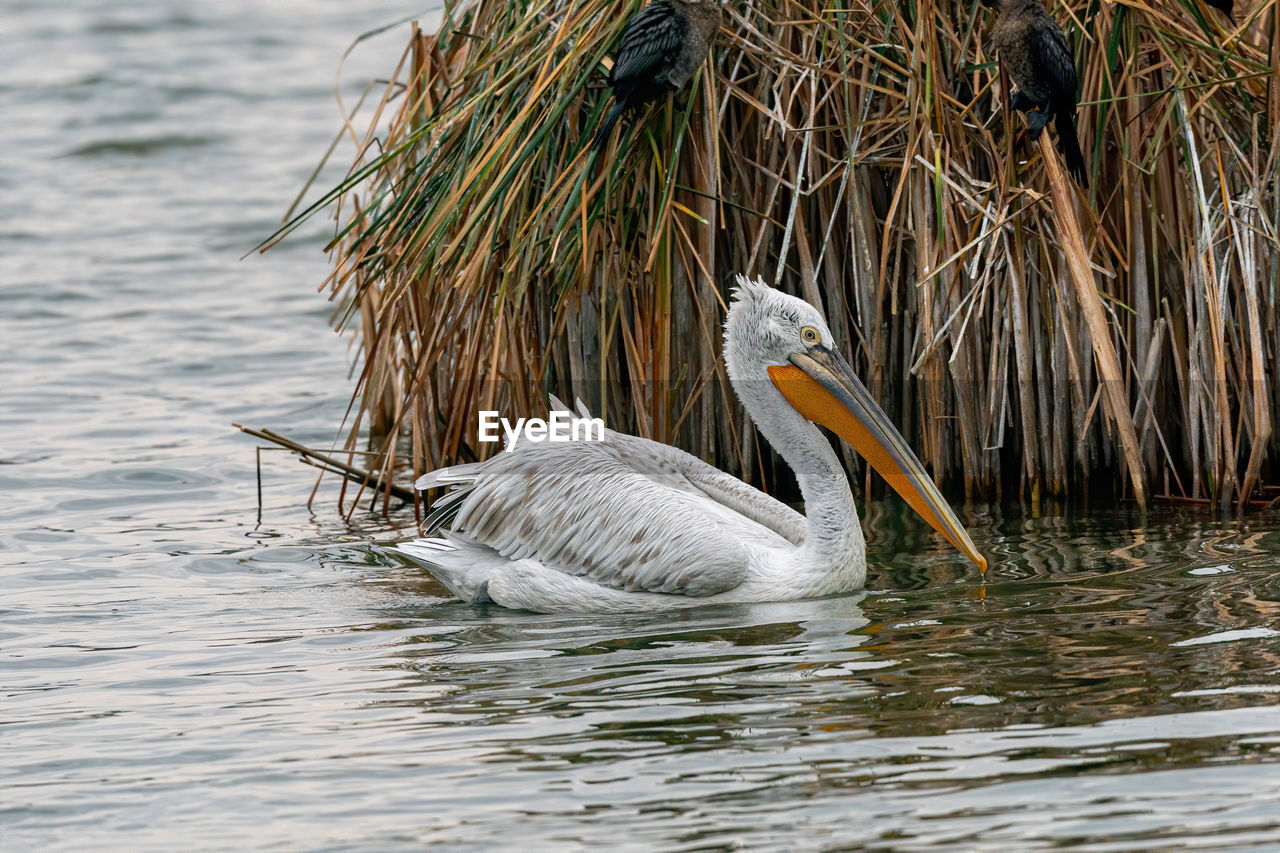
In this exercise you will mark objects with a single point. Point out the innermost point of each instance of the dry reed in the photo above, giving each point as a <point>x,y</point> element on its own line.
<point>1028,342</point>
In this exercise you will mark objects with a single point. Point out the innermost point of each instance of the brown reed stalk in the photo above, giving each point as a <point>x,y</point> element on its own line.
<point>857,155</point>
<point>1104,352</point>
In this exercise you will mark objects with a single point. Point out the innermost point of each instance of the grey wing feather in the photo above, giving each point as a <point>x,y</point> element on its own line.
<point>678,469</point>
<point>579,507</point>
<point>652,37</point>
<point>626,512</point>
<point>751,502</point>
<point>444,509</point>
<point>448,476</point>
<point>464,566</point>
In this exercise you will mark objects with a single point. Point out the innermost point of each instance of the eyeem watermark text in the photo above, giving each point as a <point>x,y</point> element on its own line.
<point>561,426</point>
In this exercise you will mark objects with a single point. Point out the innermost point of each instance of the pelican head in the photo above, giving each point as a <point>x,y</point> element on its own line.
<point>772,336</point>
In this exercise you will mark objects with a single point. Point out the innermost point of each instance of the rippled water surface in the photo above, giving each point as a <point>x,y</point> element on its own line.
<point>173,673</point>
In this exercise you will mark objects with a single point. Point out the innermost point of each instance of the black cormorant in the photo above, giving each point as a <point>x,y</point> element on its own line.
<point>662,46</point>
<point>1033,49</point>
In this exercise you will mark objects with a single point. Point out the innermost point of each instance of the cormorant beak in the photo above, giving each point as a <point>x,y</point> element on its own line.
<point>822,386</point>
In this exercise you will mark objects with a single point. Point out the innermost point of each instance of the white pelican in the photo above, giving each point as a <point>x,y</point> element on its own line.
<point>627,524</point>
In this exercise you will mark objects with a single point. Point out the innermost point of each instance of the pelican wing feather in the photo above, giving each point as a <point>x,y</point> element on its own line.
<point>624,512</point>
<point>711,481</point>
<point>737,495</point>
<point>584,509</point>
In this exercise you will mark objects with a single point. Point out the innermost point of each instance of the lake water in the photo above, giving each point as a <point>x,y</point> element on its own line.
<point>174,674</point>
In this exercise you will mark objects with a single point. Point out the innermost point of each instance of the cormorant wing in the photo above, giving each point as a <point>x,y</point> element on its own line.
<point>651,39</point>
<point>1051,53</point>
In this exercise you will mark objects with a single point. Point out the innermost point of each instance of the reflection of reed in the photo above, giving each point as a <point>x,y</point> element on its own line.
<point>1085,629</point>
<point>1061,682</point>
<point>1075,625</point>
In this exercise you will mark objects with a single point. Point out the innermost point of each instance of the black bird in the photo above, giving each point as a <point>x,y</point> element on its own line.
<point>1033,49</point>
<point>1224,6</point>
<point>662,46</point>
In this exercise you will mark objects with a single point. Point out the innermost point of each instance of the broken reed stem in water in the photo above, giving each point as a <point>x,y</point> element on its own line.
<point>483,256</point>
<point>327,463</point>
<point>1104,352</point>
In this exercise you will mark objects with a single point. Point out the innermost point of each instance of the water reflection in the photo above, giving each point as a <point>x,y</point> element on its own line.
<point>1058,702</point>
<point>933,709</point>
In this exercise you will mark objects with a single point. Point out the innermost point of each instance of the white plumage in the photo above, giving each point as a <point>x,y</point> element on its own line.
<point>628,524</point>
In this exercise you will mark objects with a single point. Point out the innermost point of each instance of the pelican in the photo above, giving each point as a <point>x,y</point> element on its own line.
<point>626,524</point>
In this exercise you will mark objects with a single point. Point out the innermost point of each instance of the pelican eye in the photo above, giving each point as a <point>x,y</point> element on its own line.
<point>810,335</point>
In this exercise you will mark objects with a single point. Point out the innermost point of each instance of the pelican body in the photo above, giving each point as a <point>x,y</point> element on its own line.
<point>625,524</point>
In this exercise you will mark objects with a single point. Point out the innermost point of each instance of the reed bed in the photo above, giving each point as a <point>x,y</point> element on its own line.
<point>1031,341</point>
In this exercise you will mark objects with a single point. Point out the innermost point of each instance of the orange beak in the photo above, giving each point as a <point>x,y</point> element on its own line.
<point>822,386</point>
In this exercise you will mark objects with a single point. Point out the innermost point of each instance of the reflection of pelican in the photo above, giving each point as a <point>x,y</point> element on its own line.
<point>628,524</point>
